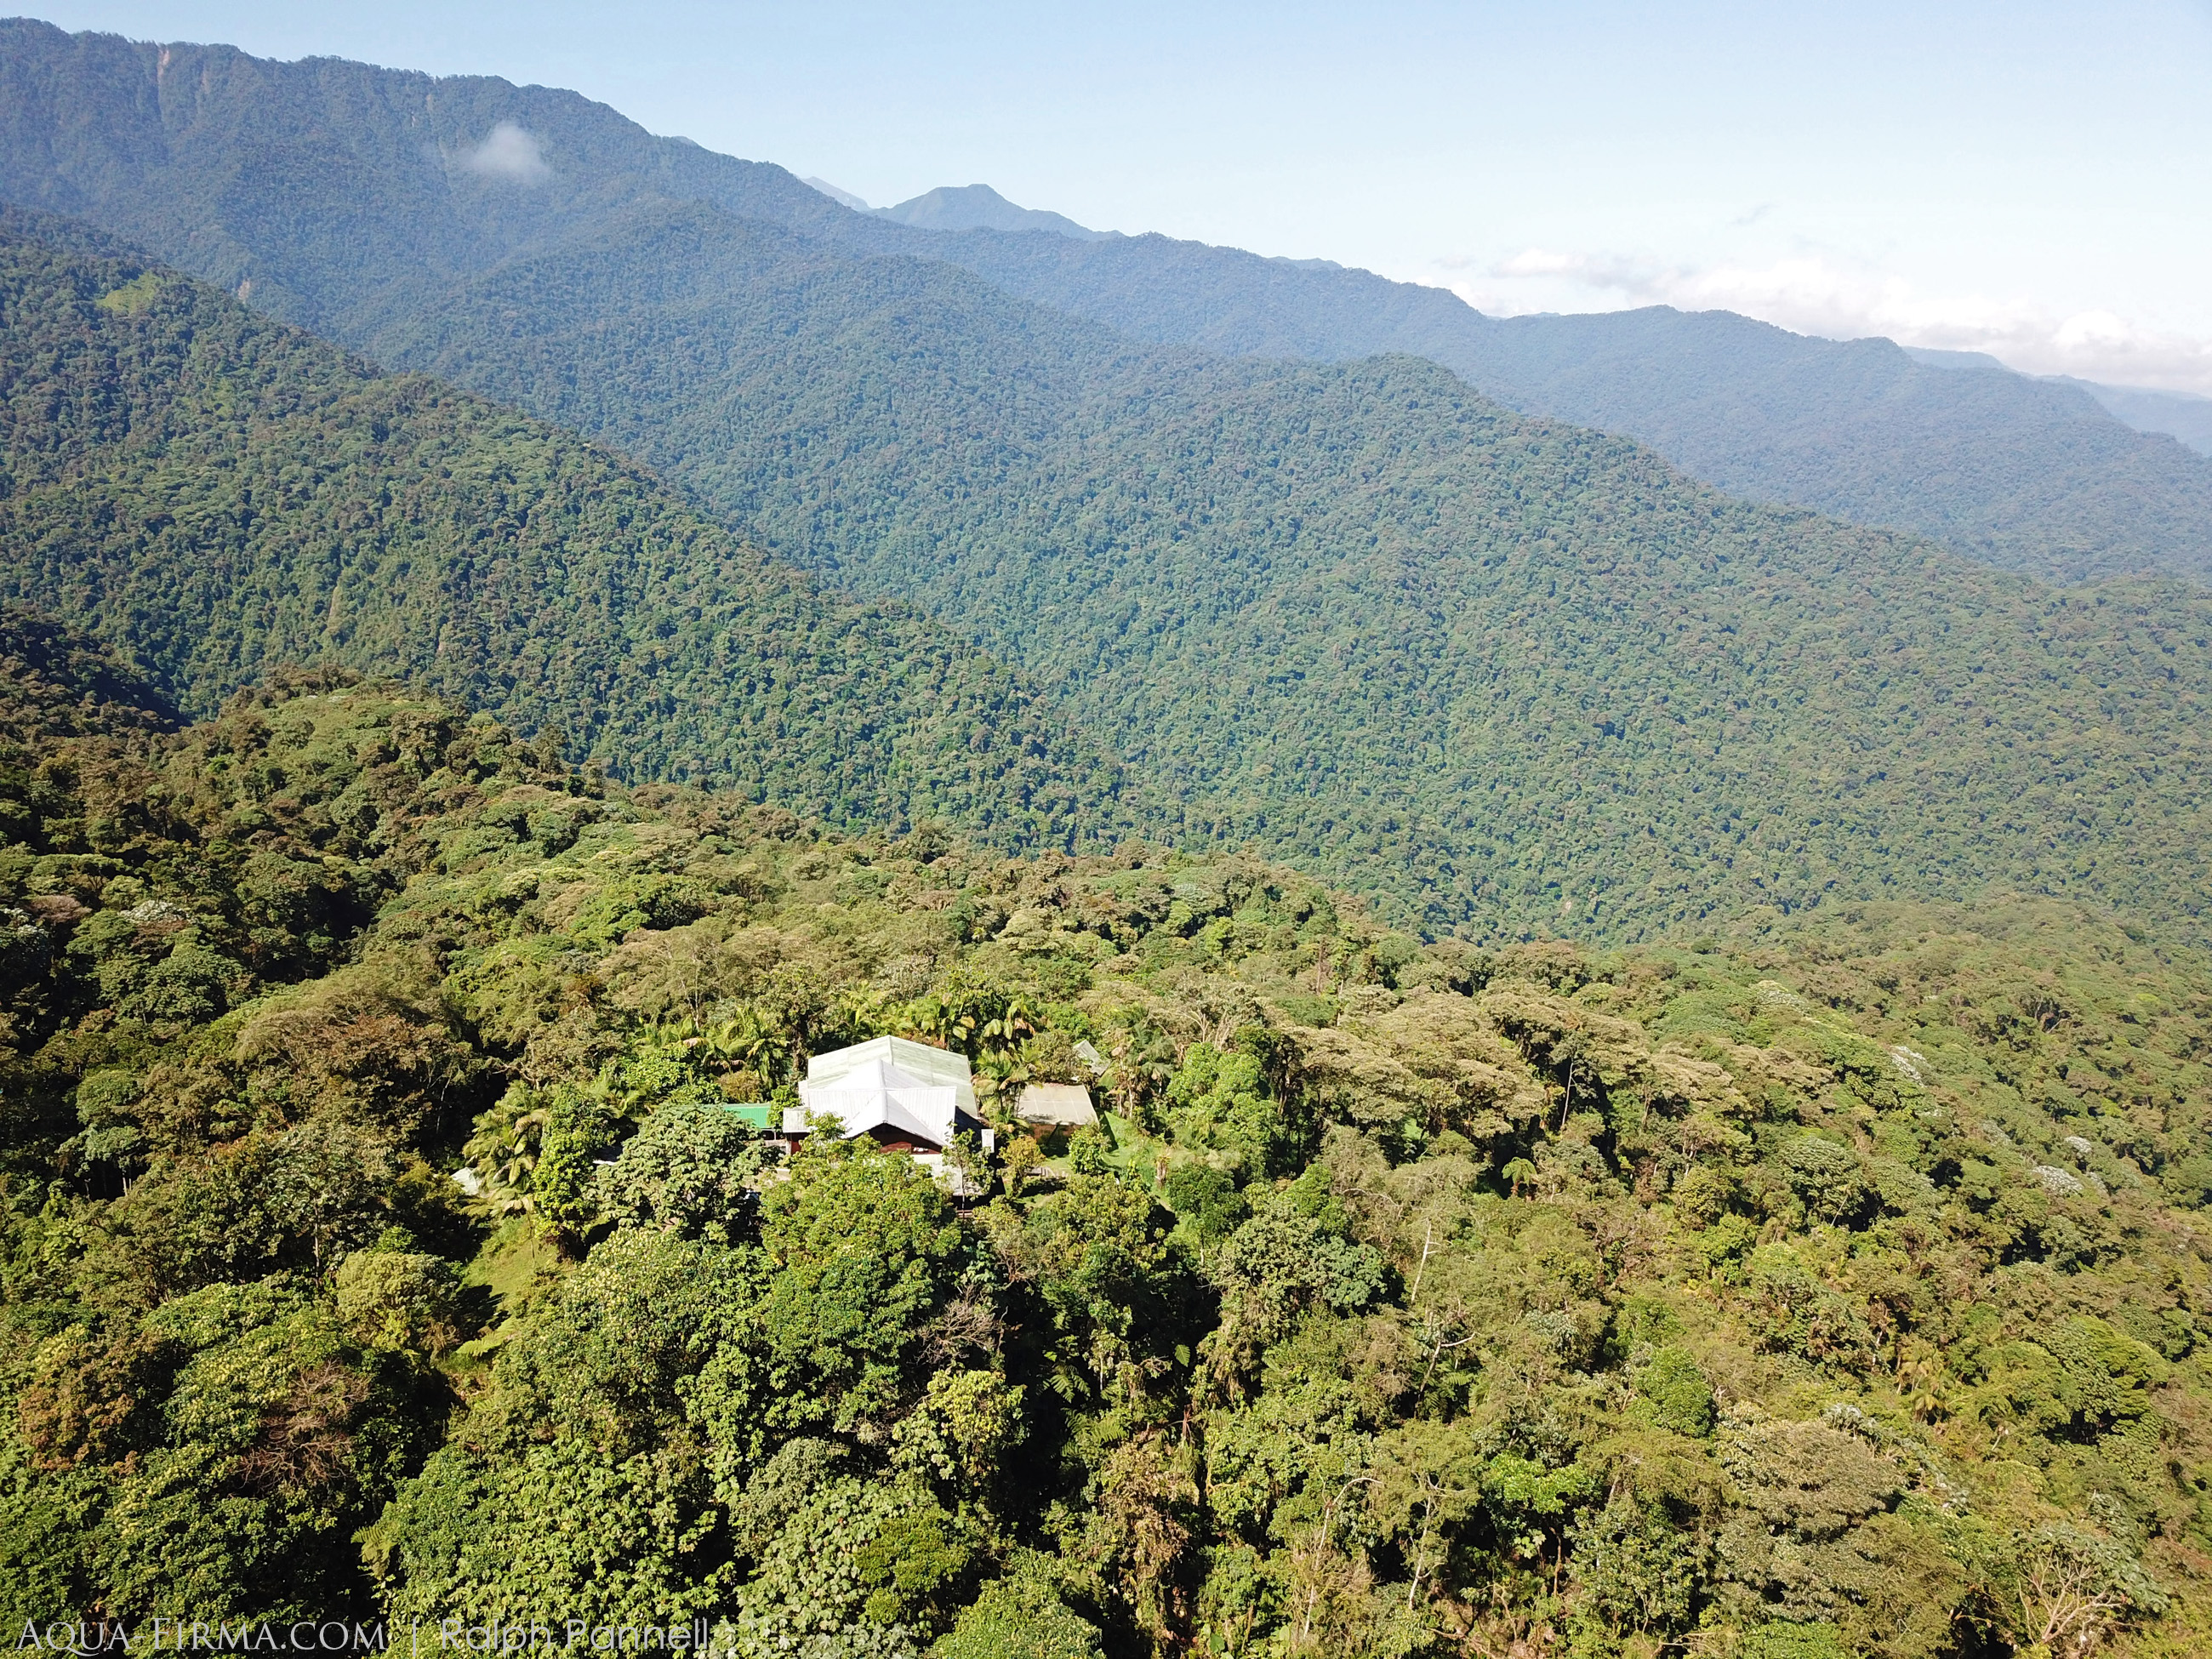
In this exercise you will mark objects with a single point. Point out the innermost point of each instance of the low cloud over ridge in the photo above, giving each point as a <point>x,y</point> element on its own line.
<point>1810,294</point>
<point>508,152</point>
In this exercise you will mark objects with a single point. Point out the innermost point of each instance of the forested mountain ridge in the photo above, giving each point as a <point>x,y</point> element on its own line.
<point>1835,1291</point>
<point>375,1240</point>
<point>64,683</point>
<point>2184,415</point>
<point>2026,475</point>
<point>327,189</point>
<point>345,198</point>
<point>970,207</point>
<point>218,493</point>
<point>1520,675</point>
<point>1515,676</point>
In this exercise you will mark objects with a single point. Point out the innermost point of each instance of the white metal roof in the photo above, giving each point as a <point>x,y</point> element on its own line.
<point>888,1083</point>
<point>919,1061</point>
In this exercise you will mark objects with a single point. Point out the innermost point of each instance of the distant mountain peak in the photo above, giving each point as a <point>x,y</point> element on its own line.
<point>846,197</point>
<point>978,207</point>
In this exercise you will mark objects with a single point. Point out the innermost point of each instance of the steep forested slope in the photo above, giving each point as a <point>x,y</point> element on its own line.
<point>1520,674</point>
<point>2027,475</point>
<point>218,493</point>
<point>1831,1292</point>
<point>327,190</point>
<point>2186,415</point>
<point>1515,675</point>
<point>342,197</point>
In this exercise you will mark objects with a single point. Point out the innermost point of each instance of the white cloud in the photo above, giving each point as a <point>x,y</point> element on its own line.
<point>1809,294</point>
<point>508,152</point>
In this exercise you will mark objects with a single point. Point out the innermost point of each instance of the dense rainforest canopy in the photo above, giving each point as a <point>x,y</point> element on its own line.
<point>1819,1289</point>
<point>1512,676</point>
<point>2027,475</point>
<point>216,493</point>
<point>435,845</point>
<point>351,199</point>
<point>1519,675</point>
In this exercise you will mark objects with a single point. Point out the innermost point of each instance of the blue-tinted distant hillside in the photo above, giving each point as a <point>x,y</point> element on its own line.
<point>1515,675</point>
<point>349,192</point>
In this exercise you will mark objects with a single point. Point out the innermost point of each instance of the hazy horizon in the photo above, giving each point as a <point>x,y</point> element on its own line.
<point>2025,181</point>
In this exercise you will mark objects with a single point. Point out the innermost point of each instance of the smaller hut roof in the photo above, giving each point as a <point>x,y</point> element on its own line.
<point>1064,1105</point>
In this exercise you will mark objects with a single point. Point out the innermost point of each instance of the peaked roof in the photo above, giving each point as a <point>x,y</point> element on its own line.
<point>891,1083</point>
<point>920,1063</point>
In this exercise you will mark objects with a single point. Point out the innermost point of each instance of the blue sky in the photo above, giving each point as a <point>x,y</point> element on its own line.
<point>2030,178</point>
